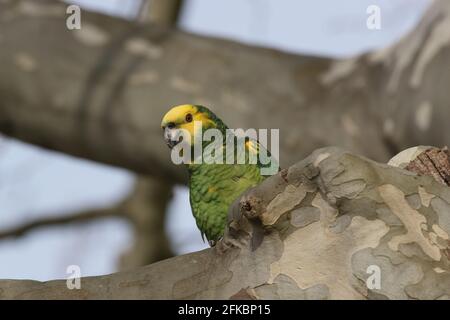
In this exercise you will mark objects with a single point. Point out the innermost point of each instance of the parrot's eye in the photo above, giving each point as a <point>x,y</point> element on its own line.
<point>189,117</point>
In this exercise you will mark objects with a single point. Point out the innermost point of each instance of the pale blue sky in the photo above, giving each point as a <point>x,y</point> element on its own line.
<point>35,183</point>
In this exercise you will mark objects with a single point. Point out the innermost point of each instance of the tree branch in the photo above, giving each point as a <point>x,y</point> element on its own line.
<point>310,232</point>
<point>79,217</point>
<point>101,91</point>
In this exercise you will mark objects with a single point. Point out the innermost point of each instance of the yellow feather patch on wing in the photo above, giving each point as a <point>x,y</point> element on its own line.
<point>252,146</point>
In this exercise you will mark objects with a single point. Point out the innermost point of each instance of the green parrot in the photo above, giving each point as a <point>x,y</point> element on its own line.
<point>213,186</point>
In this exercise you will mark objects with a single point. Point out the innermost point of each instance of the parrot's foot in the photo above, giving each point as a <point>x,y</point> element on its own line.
<point>226,243</point>
<point>221,246</point>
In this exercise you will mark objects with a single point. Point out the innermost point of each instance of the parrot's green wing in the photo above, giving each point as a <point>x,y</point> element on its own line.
<point>214,187</point>
<point>212,190</point>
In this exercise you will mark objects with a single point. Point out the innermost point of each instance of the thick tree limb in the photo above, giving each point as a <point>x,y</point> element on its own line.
<point>310,232</point>
<point>101,91</point>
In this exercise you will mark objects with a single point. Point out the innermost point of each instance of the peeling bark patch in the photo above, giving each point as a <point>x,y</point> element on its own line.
<point>442,208</point>
<point>250,205</point>
<point>425,197</point>
<point>25,62</point>
<point>390,219</point>
<point>395,277</point>
<point>403,158</point>
<point>438,270</point>
<point>341,224</point>
<point>91,35</point>
<point>328,214</point>
<point>432,162</point>
<point>282,203</point>
<point>257,261</point>
<point>438,40</point>
<point>325,257</point>
<point>439,232</point>
<point>434,285</point>
<point>414,201</point>
<point>320,158</point>
<point>243,294</point>
<point>349,190</point>
<point>143,47</point>
<point>285,288</point>
<point>304,216</point>
<point>196,284</point>
<point>412,220</point>
<point>423,116</point>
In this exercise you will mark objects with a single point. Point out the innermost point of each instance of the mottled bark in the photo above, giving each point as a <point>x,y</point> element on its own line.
<point>101,91</point>
<point>310,232</point>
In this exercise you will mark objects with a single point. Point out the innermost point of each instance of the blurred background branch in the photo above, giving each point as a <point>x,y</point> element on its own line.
<point>80,217</point>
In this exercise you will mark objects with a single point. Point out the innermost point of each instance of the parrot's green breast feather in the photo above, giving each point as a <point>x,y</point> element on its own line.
<point>213,188</point>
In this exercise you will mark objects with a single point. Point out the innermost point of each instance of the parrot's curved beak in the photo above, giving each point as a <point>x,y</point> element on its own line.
<point>170,137</point>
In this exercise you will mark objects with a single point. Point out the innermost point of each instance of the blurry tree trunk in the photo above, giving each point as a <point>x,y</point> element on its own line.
<point>161,12</point>
<point>152,195</point>
<point>100,92</point>
<point>146,213</point>
<point>333,226</point>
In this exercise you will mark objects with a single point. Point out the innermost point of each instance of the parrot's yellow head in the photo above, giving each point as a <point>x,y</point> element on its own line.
<point>188,117</point>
